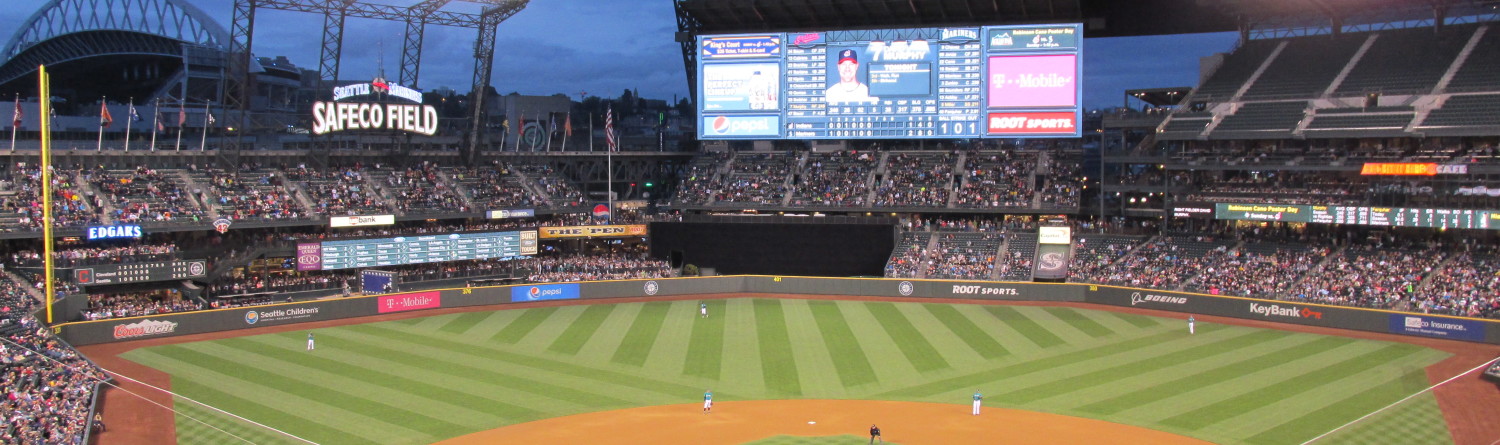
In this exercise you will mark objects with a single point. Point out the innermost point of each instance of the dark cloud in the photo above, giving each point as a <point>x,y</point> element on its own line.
<point>606,47</point>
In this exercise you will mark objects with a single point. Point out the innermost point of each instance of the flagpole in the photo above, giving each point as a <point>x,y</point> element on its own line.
<point>539,124</point>
<point>591,132</point>
<point>520,130</point>
<point>179,127</point>
<point>14,125</point>
<point>155,122</point>
<point>100,145</point>
<point>567,130</point>
<point>203,143</point>
<point>551,126</point>
<point>129,116</point>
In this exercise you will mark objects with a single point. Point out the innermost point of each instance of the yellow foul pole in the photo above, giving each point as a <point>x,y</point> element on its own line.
<point>44,97</point>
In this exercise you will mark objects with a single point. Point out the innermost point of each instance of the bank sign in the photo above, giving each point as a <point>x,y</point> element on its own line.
<point>1453,328</point>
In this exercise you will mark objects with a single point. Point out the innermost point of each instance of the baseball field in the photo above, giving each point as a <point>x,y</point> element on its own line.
<point>645,365</point>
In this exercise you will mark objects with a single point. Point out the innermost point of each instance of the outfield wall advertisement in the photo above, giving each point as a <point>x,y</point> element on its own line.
<point>106,331</point>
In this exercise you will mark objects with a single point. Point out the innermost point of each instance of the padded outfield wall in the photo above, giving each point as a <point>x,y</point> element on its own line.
<point>126,329</point>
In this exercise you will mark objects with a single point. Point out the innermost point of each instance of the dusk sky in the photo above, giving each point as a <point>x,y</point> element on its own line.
<point>606,47</point>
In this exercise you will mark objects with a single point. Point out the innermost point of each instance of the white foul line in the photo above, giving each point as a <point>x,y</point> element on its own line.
<point>1398,402</point>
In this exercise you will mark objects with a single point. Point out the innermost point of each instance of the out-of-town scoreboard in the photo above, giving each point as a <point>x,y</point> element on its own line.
<point>103,274</point>
<point>331,255</point>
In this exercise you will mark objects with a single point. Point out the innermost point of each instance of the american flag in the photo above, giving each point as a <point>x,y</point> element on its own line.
<point>609,129</point>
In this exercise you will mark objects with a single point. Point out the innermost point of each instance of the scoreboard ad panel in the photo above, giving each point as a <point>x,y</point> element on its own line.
<point>1001,82</point>
<point>1362,215</point>
<point>103,274</point>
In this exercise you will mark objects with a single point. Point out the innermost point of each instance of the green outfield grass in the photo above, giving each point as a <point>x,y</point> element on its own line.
<point>423,379</point>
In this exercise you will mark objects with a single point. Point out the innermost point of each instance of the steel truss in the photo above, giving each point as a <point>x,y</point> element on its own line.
<point>335,12</point>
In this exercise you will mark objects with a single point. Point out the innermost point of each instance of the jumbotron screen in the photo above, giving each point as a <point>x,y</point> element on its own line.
<point>947,83</point>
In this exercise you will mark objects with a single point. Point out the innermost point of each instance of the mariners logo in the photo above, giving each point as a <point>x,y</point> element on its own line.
<point>905,288</point>
<point>252,317</point>
<point>652,288</point>
<point>197,268</point>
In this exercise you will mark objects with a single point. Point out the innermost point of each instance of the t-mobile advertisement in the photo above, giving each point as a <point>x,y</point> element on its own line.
<point>1033,81</point>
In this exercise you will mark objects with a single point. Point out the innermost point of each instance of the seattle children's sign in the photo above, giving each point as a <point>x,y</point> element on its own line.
<point>329,117</point>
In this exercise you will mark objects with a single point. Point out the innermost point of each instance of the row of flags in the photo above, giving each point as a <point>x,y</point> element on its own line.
<point>609,127</point>
<point>105,118</point>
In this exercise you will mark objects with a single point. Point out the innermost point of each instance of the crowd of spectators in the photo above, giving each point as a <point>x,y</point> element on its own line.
<point>559,192</point>
<point>421,189</point>
<point>754,179</point>
<point>997,179</point>
<point>1265,274</point>
<point>916,180</point>
<point>147,195</point>
<point>495,187</point>
<point>1468,285</point>
<point>251,195</point>
<point>84,256</point>
<point>964,256</point>
<point>71,205</point>
<point>341,191</point>
<point>48,388</point>
<point>1063,182</point>
<point>837,179</point>
<point>619,265</point>
<point>1366,275</point>
<point>909,256</point>
<point>1165,262</point>
<point>135,304</point>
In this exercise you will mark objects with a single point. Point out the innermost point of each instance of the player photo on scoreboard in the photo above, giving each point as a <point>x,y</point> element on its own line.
<point>880,69</point>
<point>846,78</point>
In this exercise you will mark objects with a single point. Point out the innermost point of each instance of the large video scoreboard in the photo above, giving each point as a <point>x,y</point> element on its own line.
<point>425,249</point>
<point>995,81</point>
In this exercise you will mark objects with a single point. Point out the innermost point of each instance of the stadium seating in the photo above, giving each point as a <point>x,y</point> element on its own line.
<point>915,179</point>
<point>835,179</point>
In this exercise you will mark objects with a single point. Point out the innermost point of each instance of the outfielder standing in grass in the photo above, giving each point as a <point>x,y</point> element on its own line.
<point>708,401</point>
<point>1190,324</point>
<point>703,309</point>
<point>977,398</point>
<point>309,341</point>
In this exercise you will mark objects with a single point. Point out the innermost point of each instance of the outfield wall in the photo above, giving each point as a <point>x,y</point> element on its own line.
<point>126,329</point>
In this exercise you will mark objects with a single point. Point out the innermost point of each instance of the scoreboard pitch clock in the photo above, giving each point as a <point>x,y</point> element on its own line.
<point>103,274</point>
<point>966,82</point>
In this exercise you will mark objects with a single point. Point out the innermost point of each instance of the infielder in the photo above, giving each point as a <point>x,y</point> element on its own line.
<point>708,401</point>
<point>1191,321</point>
<point>310,341</point>
<point>875,434</point>
<point>977,398</point>
<point>703,309</point>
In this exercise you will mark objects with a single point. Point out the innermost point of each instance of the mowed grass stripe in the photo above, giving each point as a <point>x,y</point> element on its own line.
<point>1294,384</point>
<point>1080,321</point>
<point>439,362</point>
<point>1366,400</point>
<point>463,322</point>
<point>1026,326</point>
<point>1140,321</point>
<point>1030,366</point>
<point>1228,371</point>
<point>377,409</point>
<point>582,329</point>
<point>705,351</point>
<point>545,364</point>
<point>641,336</point>
<point>1142,364</point>
<point>211,395</point>
<point>414,384</point>
<point>777,365</point>
<point>315,410</point>
<point>849,359</point>
<point>527,322</point>
<point>1417,421</point>
<point>965,329</point>
<point>912,343</point>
